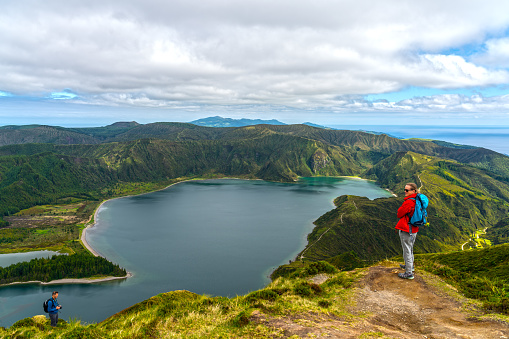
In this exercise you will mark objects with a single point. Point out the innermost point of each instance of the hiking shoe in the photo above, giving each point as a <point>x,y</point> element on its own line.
<point>406,275</point>
<point>404,267</point>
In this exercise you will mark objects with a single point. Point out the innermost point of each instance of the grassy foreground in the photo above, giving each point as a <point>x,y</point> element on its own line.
<point>182,314</point>
<point>309,295</point>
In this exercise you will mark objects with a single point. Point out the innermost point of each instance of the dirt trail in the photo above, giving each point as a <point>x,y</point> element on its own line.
<point>394,308</point>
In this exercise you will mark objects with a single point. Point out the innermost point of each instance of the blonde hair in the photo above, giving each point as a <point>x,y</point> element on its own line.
<point>414,186</point>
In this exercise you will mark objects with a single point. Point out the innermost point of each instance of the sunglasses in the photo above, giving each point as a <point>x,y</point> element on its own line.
<point>407,190</point>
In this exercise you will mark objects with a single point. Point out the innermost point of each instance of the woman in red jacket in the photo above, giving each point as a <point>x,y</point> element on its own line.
<point>407,232</point>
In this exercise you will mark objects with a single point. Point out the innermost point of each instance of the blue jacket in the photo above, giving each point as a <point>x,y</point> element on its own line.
<point>52,306</point>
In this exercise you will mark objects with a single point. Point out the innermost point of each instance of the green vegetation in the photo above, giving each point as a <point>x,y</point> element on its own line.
<point>32,239</point>
<point>463,201</point>
<point>292,296</point>
<point>302,270</point>
<point>60,267</point>
<point>48,191</point>
<point>46,227</point>
<point>481,274</point>
<point>187,315</point>
<point>50,187</point>
<point>499,233</point>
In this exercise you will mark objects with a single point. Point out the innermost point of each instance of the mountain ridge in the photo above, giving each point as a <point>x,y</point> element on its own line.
<point>468,191</point>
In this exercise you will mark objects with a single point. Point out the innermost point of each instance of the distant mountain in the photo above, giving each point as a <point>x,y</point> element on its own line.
<point>109,131</point>
<point>218,121</point>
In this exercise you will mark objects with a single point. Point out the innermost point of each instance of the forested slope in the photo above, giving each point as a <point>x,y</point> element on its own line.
<point>468,188</point>
<point>358,141</point>
<point>43,173</point>
<point>463,199</point>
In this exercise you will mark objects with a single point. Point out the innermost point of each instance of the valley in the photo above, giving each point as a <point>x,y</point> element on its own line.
<point>52,180</point>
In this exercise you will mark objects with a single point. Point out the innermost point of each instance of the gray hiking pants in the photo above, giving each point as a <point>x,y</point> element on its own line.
<point>54,319</point>
<point>407,243</point>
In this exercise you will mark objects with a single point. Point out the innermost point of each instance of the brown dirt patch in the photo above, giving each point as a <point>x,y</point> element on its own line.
<point>391,307</point>
<point>415,308</point>
<point>41,220</point>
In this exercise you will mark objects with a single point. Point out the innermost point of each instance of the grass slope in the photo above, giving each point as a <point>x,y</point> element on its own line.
<point>294,297</point>
<point>43,173</point>
<point>463,199</point>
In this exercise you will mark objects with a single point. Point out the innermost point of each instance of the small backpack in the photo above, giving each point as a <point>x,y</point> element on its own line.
<point>420,214</point>
<point>45,305</point>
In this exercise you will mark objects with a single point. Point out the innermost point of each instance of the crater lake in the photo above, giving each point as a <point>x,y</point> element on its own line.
<point>220,237</point>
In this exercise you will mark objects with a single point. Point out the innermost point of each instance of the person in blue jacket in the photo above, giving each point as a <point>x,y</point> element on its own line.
<point>53,308</point>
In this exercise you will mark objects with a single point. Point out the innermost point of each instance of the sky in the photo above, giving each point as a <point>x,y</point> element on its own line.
<point>92,63</point>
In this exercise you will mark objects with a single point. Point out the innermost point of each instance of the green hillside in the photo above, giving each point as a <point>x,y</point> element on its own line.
<point>43,173</point>
<point>468,188</point>
<point>463,199</point>
<point>358,141</point>
<point>65,179</point>
<point>317,299</point>
<point>42,134</point>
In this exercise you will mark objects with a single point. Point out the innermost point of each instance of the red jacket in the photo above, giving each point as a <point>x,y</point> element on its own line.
<point>406,209</point>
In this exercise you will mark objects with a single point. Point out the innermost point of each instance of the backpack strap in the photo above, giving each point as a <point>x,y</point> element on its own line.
<point>410,217</point>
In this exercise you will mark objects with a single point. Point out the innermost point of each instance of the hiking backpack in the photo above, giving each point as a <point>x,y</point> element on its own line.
<point>45,305</point>
<point>420,214</point>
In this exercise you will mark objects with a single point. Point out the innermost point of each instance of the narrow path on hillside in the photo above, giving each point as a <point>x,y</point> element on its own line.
<point>386,306</point>
<point>476,235</point>
<point>415,309</point>
<point>462,246</point>
<point>317,240</point>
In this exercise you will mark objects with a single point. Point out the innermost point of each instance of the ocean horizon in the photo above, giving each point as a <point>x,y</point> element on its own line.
<point>495,138</point>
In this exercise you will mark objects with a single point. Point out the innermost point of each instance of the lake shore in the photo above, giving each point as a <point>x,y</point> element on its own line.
<point>83,238</point>
<point>70,281</point>
<point>95,253</point>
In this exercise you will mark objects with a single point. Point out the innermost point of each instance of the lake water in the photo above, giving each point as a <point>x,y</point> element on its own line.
<point>13,258</point>
<point>216,237</point>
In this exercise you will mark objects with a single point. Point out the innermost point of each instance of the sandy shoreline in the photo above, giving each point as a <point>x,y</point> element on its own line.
<point>84,232</point>
<point>70,281</point>
<point>83,238</point>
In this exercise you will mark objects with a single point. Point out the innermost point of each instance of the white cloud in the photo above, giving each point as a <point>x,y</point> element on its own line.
<point>496,54</point>
<point>452,71</point>
<point>454,103</point>
<point>290,52</point>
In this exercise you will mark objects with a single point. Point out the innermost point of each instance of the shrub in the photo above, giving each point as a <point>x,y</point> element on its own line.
<point>319,267</point>
<point>82,333</point>
<point>269,295</point>
<point>324,303</point>
<point>300,269</point>
<point>341,280</point>
<point>306,289</point>
<point>242,319</point>
<point>27,322</point>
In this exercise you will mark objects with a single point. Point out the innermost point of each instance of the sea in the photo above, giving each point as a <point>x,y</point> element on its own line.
<point>495,138</point>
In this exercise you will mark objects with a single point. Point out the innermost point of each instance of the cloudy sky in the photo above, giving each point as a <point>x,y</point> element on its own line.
<point>330,62</point>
